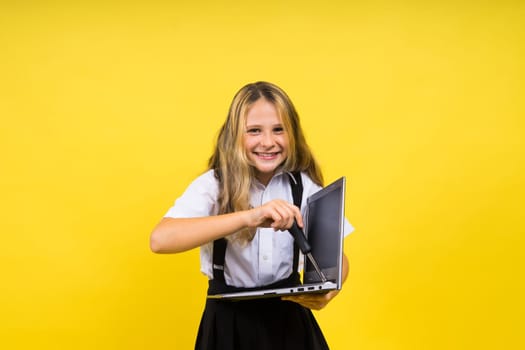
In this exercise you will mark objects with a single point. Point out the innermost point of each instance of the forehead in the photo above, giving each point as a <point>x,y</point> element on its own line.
<point>263,112</point>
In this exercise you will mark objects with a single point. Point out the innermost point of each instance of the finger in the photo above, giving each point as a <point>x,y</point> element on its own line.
<point>298,217</point>
<point>265,217</point>
<point>285,213</point>
<point>313,304</point>
<point>273,213</point>
<point>278,216</point>
<point>312,301</point>
<point>291,213</point>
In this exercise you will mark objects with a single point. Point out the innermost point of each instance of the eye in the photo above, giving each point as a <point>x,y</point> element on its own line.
<point>253,131</point>
<point>278,130</point>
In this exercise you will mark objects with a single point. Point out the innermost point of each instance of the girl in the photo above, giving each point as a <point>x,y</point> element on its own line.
<point>238,213</point>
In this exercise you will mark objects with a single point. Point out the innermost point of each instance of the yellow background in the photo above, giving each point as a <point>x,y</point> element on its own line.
<point>109,111</point>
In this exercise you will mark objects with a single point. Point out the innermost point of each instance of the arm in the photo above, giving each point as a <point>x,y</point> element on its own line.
<point>181,234</point>
<point>319,301</point>
<point>175,235</point>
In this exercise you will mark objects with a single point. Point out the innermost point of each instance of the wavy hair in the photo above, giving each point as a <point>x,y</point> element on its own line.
<point>230,161</point>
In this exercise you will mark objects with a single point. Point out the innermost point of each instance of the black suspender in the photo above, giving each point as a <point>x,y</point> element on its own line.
<point>219,245</point>
<point>219,253</point>
<point>297,193</point>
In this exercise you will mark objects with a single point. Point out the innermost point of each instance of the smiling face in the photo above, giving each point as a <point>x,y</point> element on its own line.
<point>265,139</point>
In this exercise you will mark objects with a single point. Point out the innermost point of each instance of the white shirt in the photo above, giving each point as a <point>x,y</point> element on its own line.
<point>265,259</point>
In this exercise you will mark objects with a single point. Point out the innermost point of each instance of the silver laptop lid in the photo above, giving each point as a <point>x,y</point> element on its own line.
<point>324,229</point>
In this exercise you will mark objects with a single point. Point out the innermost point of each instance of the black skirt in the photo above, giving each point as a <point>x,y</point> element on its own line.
<point>269,324</point>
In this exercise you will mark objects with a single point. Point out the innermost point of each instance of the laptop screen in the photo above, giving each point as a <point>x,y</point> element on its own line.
<point>324,225</point>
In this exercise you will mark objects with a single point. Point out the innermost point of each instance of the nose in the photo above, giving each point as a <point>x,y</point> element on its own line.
<point>267,140</point>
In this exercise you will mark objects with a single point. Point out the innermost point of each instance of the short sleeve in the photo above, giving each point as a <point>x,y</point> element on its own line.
<point>198,200</point>
<point>347,228</point>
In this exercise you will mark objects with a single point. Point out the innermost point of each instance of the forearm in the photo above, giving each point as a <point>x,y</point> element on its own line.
<point>181,234</point>
<point>346,268</point>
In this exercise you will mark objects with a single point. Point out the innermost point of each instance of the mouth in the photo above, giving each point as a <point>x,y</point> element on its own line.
<point>267,155</point>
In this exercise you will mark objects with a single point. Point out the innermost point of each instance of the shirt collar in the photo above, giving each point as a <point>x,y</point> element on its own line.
<point>278,173</point>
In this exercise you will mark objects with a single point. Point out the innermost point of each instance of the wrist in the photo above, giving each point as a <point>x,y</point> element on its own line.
<point>248,218</point>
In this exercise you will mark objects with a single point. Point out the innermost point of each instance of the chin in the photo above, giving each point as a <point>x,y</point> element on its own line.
<point>268,169</point>
<point>265,170</point>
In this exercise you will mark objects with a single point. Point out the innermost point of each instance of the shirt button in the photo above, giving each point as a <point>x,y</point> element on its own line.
<point>265,257</point>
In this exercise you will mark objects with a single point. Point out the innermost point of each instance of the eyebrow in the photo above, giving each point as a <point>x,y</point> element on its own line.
<point>260,125</point>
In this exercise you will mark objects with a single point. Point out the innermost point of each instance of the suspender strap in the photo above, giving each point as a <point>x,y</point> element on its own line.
<point>297,193</point>
<point>219,245</point>
<point>219,253</point>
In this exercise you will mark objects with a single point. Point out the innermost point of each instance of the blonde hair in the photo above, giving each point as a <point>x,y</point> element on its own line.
<point>230,161</point>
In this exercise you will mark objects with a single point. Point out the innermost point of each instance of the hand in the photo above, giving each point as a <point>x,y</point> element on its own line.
<point>313,301</point>
<point>278,214</point>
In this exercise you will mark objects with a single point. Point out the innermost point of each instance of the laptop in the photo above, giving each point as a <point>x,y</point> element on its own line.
<point>324,221</point>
